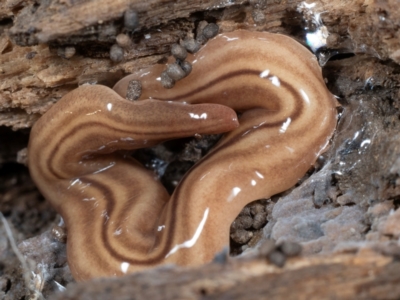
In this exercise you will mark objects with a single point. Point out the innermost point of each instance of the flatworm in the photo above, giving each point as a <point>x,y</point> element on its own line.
<point>119,218</point>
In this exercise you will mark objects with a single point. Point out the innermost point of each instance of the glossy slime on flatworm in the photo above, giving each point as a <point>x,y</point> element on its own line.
<point>119,218</point>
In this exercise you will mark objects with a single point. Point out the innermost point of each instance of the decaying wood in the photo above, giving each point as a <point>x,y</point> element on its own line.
<point>366,275</point>
<point>34,77</point>
<point>87,19</point>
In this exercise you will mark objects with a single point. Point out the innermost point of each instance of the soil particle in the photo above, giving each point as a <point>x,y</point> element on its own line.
<point>260,220</point>
<point>210,30</point>
<point>134,90</point>
<point>186,67</point>
<point>116,53</point>
<point>246,229</point>
<point>131,19</point>
<point>241,236</point>
<point>178,52</point>
<point>191,45</point>
<point>175,72</point>
<point>167,81</point>
<point>124,41</point>
<point>242,222</point>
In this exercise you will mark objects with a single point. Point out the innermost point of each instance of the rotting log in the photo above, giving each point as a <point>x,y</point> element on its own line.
<point>33,76</point>
<point>365,275</point>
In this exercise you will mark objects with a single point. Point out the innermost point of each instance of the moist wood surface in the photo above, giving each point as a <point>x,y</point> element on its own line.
<point>31,34</point>
<point>367,275</point>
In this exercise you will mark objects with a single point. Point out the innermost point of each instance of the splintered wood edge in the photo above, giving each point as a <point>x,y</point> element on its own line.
<point>30,86</point>
<point>364,275</point>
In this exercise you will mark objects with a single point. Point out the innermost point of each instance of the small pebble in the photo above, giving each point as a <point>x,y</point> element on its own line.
<point>245,211</point>
<point>199,32</point>
<point>210,30</point>
<point>257,208</point>
<point>124,41</point>
<point>241,236</point>
<point>186,67</point>
<point>191,45</point>
<point>175,71</point>
<point>259,220</point>
<point>277,258</point>
<point>178,52</point>
<point>131,19</point>
<point>242,222</point>
<point>134,90</point>
<point>166,81</point>
<point>116,53</point>
<point>290,248</point>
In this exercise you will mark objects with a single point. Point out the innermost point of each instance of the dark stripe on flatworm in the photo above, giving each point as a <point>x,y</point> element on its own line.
<point>91,123</point>
<point>298,110</point>
<point>105,190</point>
<point>216,81</point>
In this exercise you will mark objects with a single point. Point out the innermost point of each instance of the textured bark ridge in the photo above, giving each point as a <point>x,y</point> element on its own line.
<point>33,33</point>
<point>346,209</point>
<point>367,275</point>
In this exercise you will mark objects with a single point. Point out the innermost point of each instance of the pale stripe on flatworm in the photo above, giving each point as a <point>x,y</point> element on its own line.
<point>119,218</point>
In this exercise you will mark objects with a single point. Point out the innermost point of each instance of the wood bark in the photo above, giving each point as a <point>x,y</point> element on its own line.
<point>366,275</point>
<point>33,76</point>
